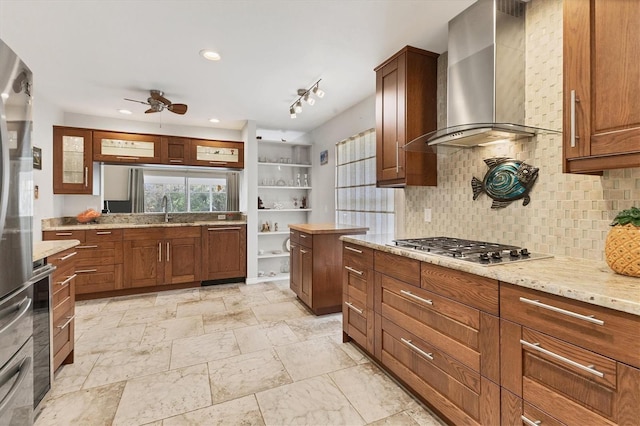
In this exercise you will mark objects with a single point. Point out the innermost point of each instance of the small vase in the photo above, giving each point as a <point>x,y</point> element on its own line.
<point>622,250</point>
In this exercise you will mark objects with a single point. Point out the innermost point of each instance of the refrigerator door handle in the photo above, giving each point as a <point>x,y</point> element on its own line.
<point>22,308</point>
<point>4,169</point>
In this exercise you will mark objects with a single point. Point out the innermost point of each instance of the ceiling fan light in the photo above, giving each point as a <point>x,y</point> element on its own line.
<point>318,91</point>
<point>298,107</point>
<point>210,55</point>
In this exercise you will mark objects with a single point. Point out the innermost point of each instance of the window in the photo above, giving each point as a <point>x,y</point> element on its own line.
<point>190,192</point>
<point>358,201</point>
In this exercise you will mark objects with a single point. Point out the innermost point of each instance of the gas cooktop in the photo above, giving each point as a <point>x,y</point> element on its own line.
<point>479,252</point>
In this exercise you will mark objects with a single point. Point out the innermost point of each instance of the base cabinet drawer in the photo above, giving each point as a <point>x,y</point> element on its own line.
<point>98,278</point>
<point>514,411</point>
<point>63,339</point>
<point>358,321</point>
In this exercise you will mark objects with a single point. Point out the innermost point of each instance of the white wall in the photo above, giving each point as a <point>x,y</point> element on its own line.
<point>356,119</point>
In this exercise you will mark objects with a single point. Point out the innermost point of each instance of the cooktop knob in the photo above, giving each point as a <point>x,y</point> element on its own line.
<point>524,252</point>
<point>514,253</point>
<point>496,255</point>
<point>484,257</point>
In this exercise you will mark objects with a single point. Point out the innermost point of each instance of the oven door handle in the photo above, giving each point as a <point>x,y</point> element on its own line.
<point>21,370</point>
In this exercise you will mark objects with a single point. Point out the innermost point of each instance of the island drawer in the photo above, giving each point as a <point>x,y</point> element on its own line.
<point>399,267</point>
<point>93,235</point>
<point>64,235</point>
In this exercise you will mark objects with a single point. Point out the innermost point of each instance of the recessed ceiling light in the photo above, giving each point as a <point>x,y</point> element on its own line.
<point>210,55</point>
<point>214,120</point>
<point>125,111</point>
<point>4,96</point>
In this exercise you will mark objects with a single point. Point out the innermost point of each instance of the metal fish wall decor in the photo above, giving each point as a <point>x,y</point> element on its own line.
<point>506,181</point>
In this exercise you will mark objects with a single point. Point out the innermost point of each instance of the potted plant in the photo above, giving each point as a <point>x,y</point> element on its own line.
<point>622,247</point>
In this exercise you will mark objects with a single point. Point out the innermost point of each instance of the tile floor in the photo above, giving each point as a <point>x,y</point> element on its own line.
<point>220,355</point>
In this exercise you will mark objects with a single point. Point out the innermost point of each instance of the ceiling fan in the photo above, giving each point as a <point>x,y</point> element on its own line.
<point>157,102</point>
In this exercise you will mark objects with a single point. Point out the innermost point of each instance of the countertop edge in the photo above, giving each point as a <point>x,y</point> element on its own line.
<point>326,228</point>
<point>42,249</point>
<point>518,274</point>
<point>83,227</point>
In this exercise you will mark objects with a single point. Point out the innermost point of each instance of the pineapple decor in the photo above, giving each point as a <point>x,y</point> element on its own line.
<point>622,247</point>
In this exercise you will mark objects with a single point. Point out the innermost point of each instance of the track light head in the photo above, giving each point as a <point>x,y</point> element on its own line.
<point>318,92</point>
<point>292,112</point>
<point>298,107</point>
<point>305,94</point>
<point>309,99</point>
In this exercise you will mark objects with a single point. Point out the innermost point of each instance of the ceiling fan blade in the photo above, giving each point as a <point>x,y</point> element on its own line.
<point>157,95</point>
<point>177,108</point>
<point>134,100</point>
<point>150,110</point>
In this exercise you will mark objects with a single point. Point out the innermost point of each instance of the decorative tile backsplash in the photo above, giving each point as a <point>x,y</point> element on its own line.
<point>569,215</point>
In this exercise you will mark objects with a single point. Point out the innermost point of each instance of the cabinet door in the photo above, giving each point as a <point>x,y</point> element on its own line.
<point>306,272</point>
<point>72,161</point>
<point>175,150</point>
<point>295,279</point>
<point>600,87</point>
<point>182,258</point>
<point>390,120</point>
<point>217,153</point>
<point>225,252</point>
<point>143,262</point>
<point>126,147</point>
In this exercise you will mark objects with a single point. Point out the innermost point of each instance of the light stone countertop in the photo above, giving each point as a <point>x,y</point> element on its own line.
<point>86,226</point>
<point>579,279</point>
<point>326,228</point>
<point>42,249</point>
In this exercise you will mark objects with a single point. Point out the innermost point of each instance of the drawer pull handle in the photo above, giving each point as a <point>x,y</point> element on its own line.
<point>63,234</point>
<point>68,256</point>
<point>159,252</point>
<point>68,279</point>
<point>351,306</point>
<point>168,252</point>
<point>292,246</point>
<point>67,322</point>
<point>589,318</point>
<point>408,293</point>
<point>303,251</point>
<point>355,271</point>
<point>303,236</point>
<point>175,161</point>
<point>103,233</point>
<point>127,157</point>
<point>530,422</point>
<point>85,271</point>
<point>407,342</point>
<point>224,229</point>
<point>352,249</point>
<point>86,247</point>
<point>587,368</point>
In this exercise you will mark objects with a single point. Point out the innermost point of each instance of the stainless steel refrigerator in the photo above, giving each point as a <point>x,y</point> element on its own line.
<point>16,265</point>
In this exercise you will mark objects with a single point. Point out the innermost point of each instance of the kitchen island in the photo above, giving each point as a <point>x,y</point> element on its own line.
<point>552,339</point>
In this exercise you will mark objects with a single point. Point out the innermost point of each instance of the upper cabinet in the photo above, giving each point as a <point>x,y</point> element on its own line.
<point>175,150</point>
<point>405,109</point>
<point>217,153</point>
<point>72,161</point>
<point>126,147</point>
<point>601,85</point>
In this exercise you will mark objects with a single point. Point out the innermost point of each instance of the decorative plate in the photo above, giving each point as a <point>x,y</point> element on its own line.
<point>287,244</point>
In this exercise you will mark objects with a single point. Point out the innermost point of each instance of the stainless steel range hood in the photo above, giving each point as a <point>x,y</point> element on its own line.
<point>485,77</point>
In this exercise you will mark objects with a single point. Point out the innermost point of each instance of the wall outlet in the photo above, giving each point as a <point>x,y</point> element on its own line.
<point>222,217</point>
<point>427,215</point>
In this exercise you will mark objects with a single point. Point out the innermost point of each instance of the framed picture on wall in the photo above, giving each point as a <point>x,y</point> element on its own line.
<point>37,158</point>
<point>324,157</point>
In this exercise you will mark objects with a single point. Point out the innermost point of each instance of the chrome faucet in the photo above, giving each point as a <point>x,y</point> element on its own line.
<point>164,205</point>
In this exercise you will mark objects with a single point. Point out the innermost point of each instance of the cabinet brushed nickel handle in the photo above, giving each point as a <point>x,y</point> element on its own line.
<point>175,161</point>
<point>63,234</point>
<point>167,252</point>
<point>407,342</point>
<point>217,162</point>
<point>352,249</point>
<point>303,236</point>
<point>355,271</point>
<point>86,177</point>
<point>103,232</point>
<point>86,247</point>
<point>573,102</point>
<point>408,293</point>
<point>292,246</point>
<point>236,228</point>
<point>397,157</point>
<point>68,256</point>
<point>68,279</point>
<point>351,306</point>
<point>530,422</point>
<point>159,252</point>
<point>127,157</point>
<point>67,322</point>
<point>303,251</point>
<point>85,271</point>
<point>589,318</point>
<point>587,368</point>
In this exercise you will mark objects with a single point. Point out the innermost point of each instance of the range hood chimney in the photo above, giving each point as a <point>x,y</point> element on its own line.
<point>485,77</point>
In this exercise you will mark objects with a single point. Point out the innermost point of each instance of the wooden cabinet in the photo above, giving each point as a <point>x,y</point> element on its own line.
<point>405,109</point>
<point>99,262</point>
<point>601,117</point>
<point>357,287</point>
<point>224,251</point>
<point>126,147</point>
<point>217,153</point>
<point>63,306</point>
<point>72,161</point>
<point>175,150</point>
<point>158,256</point>
<point>316,265</point>
<point>562,359</point>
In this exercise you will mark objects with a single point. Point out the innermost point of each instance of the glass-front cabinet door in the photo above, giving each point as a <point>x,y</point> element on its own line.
<point>72,161</point>
<point>115,147</point>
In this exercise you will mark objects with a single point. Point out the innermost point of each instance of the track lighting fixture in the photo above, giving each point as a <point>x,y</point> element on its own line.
<point>305,95</point>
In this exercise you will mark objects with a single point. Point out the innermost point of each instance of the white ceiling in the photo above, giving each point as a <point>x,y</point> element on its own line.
<point>88,55</point>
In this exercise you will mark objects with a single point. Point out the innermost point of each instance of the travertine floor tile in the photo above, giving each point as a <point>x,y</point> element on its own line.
<point>199,307</point>
<point>124,303</point>
<point>278,311</point>
<point>313,358</point>
<point>242,412</point>
<point>312,327</point>
<point>422,416</point>
<point>218,291</point>
<point>371,392</point>
<point>200,349</point>
<point>110,339</point>
<point>98,320</point>
<point>173,297</point>
<point>279,295</point>
<point>158,396</point>
<point>256,288</point>
<point>173,329</point>
<point>400,419</point>
<point>241,301</point>
<point>96,406</point>
<point>133,361</point>
<point>315,401</point>
<point>246,374</point>
<point>148,315</point>
<point>71,377</point>
<point>88,307</point>
<point>228,320</point>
